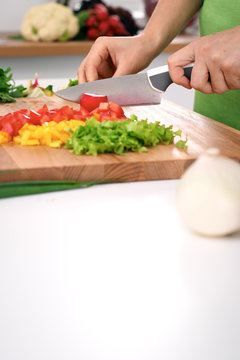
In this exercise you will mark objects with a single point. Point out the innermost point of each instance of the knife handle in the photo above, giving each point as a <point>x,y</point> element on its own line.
<point>188,71</point>
<point>160,78</point>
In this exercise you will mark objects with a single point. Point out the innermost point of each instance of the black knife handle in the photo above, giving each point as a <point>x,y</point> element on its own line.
<point>188,71</point>
<point>162,80</point>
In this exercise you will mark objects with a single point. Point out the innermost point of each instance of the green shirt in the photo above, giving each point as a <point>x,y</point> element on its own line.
<point>218,15</point>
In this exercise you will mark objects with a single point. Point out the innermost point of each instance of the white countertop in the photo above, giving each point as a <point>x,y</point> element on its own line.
<point>110,272</point>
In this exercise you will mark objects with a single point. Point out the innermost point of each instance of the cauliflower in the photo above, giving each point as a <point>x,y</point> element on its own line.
<point>49,22</point>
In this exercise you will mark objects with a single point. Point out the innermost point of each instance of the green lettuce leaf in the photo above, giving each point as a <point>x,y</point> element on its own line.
<point>119,136</point>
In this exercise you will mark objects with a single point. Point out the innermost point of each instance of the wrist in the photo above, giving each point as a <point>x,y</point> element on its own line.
<point>150,45</point>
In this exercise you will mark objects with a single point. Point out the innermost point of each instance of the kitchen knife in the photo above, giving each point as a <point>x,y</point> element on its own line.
<point>137,89</point>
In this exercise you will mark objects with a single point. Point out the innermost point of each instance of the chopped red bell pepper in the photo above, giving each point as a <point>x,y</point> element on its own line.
<point>91,101</point>
<point>105,111</point>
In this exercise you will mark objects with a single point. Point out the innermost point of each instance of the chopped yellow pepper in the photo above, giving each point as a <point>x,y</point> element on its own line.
<point>50,133</point>
<point>4,137</point>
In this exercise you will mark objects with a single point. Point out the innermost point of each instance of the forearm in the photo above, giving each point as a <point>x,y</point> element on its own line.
<point>167,20</point>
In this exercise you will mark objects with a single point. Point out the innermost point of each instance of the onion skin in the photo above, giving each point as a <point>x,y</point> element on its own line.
<point>208,195</point>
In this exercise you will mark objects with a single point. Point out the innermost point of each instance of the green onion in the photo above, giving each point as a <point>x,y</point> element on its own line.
<point>20,188</point>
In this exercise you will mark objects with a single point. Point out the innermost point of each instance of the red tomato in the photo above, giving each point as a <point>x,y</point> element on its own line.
<point>91,101</point>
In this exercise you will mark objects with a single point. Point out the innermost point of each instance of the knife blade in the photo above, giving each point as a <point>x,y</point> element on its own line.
<point>137,89</point>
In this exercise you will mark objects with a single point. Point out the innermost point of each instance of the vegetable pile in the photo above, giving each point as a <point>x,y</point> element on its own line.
<point>9,91</point>
<point>97,18</point>
<point>97,127</point>
<point>34,89</point>
<point>50,127</point>
<point>118,137</point>
<point>51,133</point>
<point>62,21</point>
<point>12,123</point>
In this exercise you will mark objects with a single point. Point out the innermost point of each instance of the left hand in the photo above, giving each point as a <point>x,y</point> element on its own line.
<point>217,55</point>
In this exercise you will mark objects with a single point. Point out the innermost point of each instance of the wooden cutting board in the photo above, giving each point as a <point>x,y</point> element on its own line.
<point>160,162</point>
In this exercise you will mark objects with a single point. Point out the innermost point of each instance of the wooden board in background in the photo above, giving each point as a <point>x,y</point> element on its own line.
<point>19,48</point>
<point>160,162</point>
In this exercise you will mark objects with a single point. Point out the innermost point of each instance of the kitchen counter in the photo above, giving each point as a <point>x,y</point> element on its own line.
<point>111,272</point>
<point>21,48</point>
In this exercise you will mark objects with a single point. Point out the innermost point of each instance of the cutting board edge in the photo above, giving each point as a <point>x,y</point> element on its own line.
<point>130,172</point>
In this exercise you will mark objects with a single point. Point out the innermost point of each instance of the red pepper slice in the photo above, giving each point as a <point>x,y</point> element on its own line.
<point>116,109</point>
<point>91,101</point>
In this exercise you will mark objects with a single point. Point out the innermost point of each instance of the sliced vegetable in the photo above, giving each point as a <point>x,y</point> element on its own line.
<point>116,110</point>
<point>119,136</point>
<point>51,133</point>
<point>108,111</point>
<point>4,137</point>
<point>13,122</point>
<point>91,101</point>
<point>33,89</point>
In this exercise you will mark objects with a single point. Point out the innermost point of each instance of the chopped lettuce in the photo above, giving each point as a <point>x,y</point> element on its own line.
<point>120,136</point>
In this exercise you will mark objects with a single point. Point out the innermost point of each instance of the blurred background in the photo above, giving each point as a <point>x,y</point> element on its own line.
<point>65,66</point>
<point>11,17</point>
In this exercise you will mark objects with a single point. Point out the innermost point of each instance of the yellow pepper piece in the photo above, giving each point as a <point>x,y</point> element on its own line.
<point>4,137</point>
<point>30,142</point>
<point>51,134</point>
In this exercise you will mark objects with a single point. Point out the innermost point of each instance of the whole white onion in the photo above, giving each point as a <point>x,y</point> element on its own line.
<point>208,195</point>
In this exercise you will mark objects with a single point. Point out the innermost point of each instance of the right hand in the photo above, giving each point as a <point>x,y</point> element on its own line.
<point>115,56</point>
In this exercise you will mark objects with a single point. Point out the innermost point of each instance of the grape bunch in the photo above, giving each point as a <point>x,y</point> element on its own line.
<point>97,19</point>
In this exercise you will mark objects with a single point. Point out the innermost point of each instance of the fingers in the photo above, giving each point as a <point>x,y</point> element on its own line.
<point>114,56</point>
<point>97,64</point>
<point>203,71</point>
<point>177,76</point>
<point>177,61</point>
<point>89,70</point>
<point>216,56</point>
<point>200,78</point>
<point>231,70</point>
<point>81,73</point>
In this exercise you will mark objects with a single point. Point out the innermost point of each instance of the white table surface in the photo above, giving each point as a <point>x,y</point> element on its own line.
<point>110,272</point>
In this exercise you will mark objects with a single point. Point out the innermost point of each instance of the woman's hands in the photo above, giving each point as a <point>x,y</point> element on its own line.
<point>217,55</point>
<point>115,56</point>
